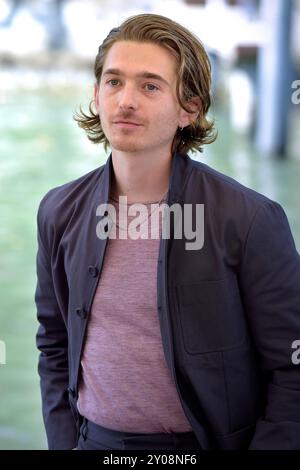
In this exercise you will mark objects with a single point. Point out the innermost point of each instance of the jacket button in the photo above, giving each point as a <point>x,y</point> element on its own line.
<point>81,312</point>
<point>93,271</point>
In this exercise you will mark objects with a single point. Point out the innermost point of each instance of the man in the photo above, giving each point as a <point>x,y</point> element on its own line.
<point>151,342</point>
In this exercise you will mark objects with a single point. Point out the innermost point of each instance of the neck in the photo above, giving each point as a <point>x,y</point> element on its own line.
<point>140,177</point>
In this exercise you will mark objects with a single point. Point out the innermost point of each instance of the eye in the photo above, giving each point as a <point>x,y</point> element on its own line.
<point>113,82</point>
<point>151,87</point>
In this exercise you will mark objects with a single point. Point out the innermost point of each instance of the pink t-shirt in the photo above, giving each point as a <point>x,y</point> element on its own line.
<point>125,382</point>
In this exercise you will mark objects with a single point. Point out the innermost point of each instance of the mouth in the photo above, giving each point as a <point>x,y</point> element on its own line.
<point>127,124</point>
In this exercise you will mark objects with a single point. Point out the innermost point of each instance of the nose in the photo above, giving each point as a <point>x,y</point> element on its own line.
<point>128,97</point>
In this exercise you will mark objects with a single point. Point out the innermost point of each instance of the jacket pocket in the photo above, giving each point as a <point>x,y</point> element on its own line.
<point>211,316</point>
<point>238,440</point>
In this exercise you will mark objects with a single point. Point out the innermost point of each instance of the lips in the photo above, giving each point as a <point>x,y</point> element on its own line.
<point>129,124</point>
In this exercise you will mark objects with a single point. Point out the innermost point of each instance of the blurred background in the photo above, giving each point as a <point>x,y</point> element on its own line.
<point>47,49</point>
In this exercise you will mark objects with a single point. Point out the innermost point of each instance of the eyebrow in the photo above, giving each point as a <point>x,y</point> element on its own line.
<point>144,74</point>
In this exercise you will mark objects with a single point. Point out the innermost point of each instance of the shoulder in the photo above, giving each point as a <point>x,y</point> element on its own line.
<point>223,184</point>
<point>58,202</point>
<point>231,206</point>
<point>226,192</point>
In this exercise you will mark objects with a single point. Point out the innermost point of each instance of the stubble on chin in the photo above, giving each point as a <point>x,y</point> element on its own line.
<point>125,147</point>
<point>125,143</point>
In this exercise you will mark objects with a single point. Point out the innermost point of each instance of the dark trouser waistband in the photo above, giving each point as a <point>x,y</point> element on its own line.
<point>95,437</point>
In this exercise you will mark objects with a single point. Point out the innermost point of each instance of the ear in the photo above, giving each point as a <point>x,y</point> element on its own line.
<point>194,105</point>
<point>96,96</point>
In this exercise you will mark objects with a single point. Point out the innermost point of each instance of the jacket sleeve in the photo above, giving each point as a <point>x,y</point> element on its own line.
<point>270,281</point>
<point>52,341</point>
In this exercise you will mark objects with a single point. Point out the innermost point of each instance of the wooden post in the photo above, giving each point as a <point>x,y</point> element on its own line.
<point>274,79</point>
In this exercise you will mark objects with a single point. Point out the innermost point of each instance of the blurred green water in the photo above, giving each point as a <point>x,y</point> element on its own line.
<point>41,147</point>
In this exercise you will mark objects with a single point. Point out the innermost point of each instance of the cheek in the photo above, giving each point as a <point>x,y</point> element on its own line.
<point>102,111</point>
<point>168,117</point>
<point>102,104</point>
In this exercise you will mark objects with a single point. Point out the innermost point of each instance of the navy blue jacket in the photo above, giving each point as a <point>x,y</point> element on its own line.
<point>229,312</point>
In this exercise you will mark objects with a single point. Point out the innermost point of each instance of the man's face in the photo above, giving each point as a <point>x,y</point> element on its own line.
<point>136,98</point>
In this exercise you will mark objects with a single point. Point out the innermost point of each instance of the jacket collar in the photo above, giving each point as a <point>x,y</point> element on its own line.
<point>181,168</point>
<point>180,172</point>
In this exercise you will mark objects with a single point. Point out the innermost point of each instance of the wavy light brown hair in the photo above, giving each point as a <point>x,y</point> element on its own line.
<point>194,77</point>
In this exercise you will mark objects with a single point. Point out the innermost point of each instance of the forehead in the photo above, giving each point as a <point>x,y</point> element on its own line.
<point>134,57</point>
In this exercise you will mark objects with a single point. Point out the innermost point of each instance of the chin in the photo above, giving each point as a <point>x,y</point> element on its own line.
<point>126,146</point>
